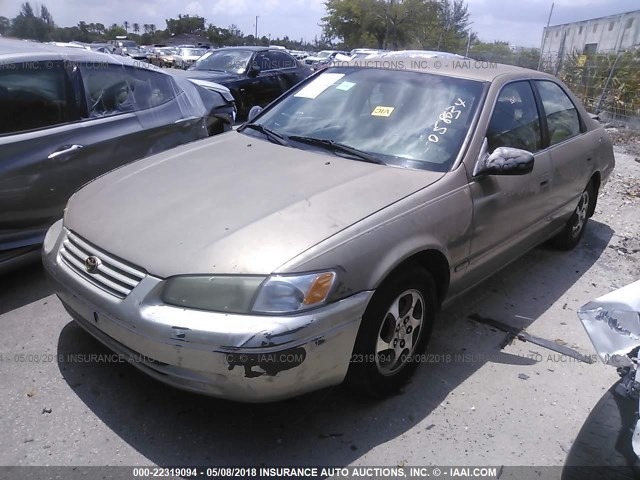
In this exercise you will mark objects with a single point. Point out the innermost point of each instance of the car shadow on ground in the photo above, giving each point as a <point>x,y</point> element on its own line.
<point>23,286</point>
<point>332,426</point>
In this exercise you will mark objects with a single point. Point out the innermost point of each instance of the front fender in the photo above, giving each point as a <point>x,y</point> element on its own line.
<point>438,217</point>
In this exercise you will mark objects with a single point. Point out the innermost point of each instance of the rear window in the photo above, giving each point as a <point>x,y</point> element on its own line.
<point>563,120</point>
<point>33,95</point>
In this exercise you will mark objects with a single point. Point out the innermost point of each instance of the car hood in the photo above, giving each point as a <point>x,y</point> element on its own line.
<point>218,77</point>
<point>231,204</point>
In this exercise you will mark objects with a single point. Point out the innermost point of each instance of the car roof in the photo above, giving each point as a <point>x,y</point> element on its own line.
<point>253,48</point>
<point>19,50</point>
<point>444,64</point>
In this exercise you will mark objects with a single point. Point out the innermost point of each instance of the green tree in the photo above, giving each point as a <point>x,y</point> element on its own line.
<point>113,31</point>
<point>5,26</point>
<point>185,24</point>
<point>136,28</point>
<point>452,22</point>
<point>28,25</point>
<point>396,24</point>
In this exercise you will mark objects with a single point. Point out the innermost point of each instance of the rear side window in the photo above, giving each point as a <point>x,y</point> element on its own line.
<point>116,89</point>
<point>151,89</point>
<point>33,95</point>
<point>107,89</point>
<point>280,60</point>
<point>563,120</point>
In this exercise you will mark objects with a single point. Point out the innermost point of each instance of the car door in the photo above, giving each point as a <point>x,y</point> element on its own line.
<point>169,114</point>
<point>109,120</point>
<point>572,151</point>
<point>149,114</point>
<point>510,212</point>
<point>265,86</point>
<point>39,135</point>
<point>287,70</point>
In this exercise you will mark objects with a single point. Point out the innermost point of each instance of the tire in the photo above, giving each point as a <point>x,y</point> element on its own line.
<point>602,449</point>
<point>570,236</point>
<point>393,333</point>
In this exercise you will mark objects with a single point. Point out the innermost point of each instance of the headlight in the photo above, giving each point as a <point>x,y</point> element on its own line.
<point>286,294</point>
<point>66,207</point>
<point>218,293</point>
<point>247,294</point>
<point>51,237</point>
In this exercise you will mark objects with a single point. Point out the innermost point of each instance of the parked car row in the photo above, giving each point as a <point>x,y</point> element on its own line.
<point>314,244</point>
<point>254,75</point>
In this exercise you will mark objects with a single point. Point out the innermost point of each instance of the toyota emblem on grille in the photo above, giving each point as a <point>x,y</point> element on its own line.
<point>91,264</point>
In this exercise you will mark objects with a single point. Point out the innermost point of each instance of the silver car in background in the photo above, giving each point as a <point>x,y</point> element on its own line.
<point>316,244</point>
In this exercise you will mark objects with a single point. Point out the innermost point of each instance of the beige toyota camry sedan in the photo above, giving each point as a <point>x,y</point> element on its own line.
<point>315,244</point>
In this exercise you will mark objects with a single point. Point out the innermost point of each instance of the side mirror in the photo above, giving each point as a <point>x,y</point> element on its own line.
<point>504,161</point>
<point>254,70</point>
<point>254,112</point>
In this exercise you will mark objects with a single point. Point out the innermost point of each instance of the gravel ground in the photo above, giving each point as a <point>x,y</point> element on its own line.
<point>481,400</point>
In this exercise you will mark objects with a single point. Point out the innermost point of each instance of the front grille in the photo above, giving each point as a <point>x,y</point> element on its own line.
<point>111,275</point>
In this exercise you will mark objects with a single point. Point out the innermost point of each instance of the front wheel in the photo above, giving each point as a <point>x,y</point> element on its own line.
<point>569,237</point>
<point>395,329</point>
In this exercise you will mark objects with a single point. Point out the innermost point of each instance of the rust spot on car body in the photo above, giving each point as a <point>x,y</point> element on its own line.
<point>270,364</point>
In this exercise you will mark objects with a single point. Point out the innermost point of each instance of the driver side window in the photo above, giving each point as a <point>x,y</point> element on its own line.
<point>515,122</point>
<point>262,62</point>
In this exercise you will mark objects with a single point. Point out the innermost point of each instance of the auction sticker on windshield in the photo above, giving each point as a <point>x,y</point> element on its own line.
<point>319,85</point>
<point>382,111</point>
<point>346,86</point>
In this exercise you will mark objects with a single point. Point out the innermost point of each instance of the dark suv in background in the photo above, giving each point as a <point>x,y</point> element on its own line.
<point>255,75</point>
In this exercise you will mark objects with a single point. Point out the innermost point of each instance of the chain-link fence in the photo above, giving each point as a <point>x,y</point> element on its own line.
<point>608,83</point>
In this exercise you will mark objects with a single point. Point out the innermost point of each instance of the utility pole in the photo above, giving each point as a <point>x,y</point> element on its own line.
<point>468,40</point>
<point>468,44</point>
<point>544,32</point>
<point>257,17</point>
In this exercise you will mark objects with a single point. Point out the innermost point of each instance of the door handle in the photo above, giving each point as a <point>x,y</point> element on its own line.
<point>186,121</point>
<point>65,150</point>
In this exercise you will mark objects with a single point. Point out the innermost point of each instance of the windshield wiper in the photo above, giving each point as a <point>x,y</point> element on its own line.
<point>336,147</point>
<point>267,132</point>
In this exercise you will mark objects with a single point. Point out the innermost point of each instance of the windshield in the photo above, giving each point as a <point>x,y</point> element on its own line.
<point>407,119</point>
<point>235,61</point>
<point>192,52</point>
<point>324,54</point>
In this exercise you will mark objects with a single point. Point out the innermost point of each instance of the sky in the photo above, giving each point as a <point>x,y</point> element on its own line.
<point>519,22</point>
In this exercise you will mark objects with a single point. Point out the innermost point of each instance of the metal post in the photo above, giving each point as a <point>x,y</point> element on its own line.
<point>613,69</point>
<point>545,31</point>
<point>468,39</point>
<point>257,17</point>
<point>468,44</point>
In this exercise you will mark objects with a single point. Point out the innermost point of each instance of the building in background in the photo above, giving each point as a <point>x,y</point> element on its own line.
<point>599,35</point>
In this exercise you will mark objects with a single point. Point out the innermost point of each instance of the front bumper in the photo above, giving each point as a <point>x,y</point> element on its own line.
<point>246,358</point>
